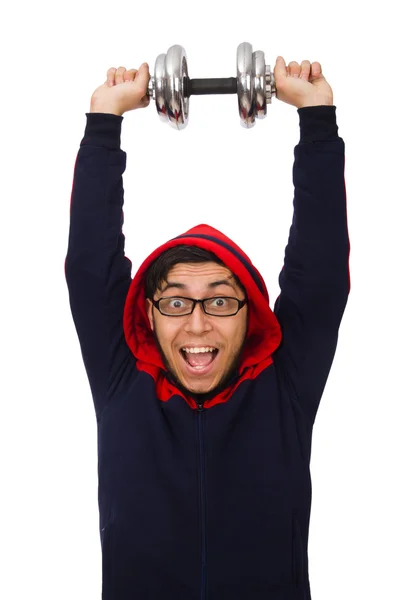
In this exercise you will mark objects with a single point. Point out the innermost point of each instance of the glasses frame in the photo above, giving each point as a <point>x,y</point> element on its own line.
<point>195,301</point>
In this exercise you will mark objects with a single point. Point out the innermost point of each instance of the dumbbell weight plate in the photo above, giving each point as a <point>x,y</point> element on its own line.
<point>259,68</point>
<point>176,74</point>
<point>159,83</point>
<point>245,84</point>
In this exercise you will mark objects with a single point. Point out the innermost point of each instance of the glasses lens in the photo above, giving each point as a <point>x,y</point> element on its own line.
<point>175,306</point>
<point>221,306</point>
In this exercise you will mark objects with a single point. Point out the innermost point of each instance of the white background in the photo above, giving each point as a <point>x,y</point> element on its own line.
<point>53,57</point>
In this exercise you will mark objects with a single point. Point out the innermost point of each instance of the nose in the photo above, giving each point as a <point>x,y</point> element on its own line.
<point>198,321</point>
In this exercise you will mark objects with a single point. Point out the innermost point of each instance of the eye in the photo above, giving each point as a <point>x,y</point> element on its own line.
<point>219,302</point>
<point>176,303</point>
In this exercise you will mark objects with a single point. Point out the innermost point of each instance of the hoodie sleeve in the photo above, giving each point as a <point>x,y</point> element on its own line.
<point>315,278</point>
<point>98,275</point>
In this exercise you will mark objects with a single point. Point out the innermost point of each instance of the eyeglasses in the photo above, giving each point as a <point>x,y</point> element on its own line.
<point>219,306</point>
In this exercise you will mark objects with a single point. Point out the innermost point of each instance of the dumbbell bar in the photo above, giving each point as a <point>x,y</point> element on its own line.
<point>171,87</point>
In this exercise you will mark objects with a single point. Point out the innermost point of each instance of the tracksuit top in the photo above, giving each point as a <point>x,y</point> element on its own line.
<point>208,498</point>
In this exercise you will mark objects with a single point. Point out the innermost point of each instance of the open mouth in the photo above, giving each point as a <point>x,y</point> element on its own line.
<point>199,359</point>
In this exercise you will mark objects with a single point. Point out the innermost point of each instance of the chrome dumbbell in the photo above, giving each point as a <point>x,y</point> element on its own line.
<point>170,87</point>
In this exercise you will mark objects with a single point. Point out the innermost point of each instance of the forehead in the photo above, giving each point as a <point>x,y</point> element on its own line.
<point>200,274</point>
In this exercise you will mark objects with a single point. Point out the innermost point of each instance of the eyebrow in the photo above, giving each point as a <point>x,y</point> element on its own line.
<point>213,284</point>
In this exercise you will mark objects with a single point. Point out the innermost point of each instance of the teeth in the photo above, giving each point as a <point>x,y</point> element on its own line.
<point>197,350</point>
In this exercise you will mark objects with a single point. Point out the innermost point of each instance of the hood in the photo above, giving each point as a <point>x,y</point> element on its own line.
<point>263,332</point>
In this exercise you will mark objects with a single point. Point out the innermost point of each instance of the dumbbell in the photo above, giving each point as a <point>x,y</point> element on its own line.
<point>170,87</point>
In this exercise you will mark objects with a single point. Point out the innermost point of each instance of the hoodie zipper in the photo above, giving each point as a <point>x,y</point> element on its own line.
<point>202,501</point>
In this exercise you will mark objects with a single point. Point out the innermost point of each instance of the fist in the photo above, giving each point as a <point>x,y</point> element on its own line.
<point>301,85</point>
<point>122,91</point>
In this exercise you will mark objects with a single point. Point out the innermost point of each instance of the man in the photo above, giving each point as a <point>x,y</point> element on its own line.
<point>205,398</point>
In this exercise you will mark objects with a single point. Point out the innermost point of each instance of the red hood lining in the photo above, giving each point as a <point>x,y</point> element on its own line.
<point>263,332</point>
<point>244,259</point>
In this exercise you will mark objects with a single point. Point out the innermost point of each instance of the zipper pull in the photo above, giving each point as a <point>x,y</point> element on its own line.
<point>199,406</point>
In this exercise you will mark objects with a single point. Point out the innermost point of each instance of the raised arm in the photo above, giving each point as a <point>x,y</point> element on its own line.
<point>314,281</point>
<point>98,274</point>
<point>315,278</point>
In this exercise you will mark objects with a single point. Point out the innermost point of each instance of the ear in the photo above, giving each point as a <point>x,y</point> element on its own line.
<point>149,312</point>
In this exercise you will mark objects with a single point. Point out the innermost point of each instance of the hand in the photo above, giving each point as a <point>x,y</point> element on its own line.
<point>303,85</point>
<point>122,91</point>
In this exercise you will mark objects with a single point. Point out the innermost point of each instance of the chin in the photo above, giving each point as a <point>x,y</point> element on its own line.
<point>199,387</point>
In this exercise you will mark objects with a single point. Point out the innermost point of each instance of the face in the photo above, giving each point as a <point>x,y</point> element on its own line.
<point>198,330</point>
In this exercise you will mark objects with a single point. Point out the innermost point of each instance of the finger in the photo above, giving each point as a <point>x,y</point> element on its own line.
<point>119,77</point>
<point>294,69</point>
<point>305,70</point>
<point>316,71</point>
<point>110,76</point>
<point>130,74</point>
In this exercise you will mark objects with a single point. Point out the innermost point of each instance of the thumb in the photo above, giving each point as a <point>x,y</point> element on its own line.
<point>142,78</point>
<point>280,69</point>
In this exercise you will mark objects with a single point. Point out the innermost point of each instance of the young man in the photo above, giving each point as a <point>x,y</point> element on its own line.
<point>205,398</point>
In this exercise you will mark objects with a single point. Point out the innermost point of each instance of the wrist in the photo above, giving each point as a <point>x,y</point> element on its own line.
<point>105,111</point>
<point>97,107</point>
<point>316,102</point>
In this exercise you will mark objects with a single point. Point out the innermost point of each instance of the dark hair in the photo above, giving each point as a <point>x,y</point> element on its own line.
<point>158,271</point>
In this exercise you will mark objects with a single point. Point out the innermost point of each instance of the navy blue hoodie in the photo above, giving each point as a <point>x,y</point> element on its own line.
<point>210,500</point>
